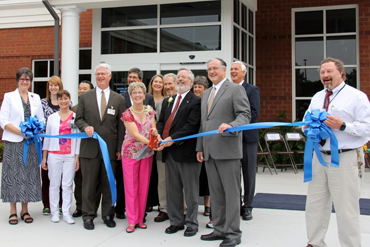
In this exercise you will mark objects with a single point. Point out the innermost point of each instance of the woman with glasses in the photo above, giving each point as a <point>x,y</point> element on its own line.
<point>19,182</point>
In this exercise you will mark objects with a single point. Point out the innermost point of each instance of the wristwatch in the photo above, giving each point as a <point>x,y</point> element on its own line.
<point>343,127</point>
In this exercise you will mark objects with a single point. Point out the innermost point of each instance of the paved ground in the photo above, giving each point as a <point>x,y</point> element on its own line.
<point>269,228</point>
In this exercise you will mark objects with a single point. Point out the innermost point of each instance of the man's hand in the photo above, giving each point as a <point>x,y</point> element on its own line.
<point>223,127</point>
<point>167,144</point>
<point>89,131</point>
<point>200,157</point>
<point>118,154</point>
<point>333,122</point>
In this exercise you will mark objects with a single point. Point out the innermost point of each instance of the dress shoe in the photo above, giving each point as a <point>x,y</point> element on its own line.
<point>173,229</point>
<point>247,214</point>
<point>77,213</point>
<point>212,236</point>
<point>89,224</point>
<point>108,220</point>
<point>228,242</point>
<point>162,216</point>
<point>189,232</point>
<point>121,216</point>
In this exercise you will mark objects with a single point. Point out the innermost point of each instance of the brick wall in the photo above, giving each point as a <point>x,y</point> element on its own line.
<point>274,51</point>
<point>19,46</point>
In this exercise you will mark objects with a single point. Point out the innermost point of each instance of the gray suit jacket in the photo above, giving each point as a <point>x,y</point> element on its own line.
<point>110,128</point>
<point>230,106</point>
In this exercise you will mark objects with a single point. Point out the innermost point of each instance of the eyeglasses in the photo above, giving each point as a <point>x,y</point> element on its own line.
<point>137,93</point>
<point>23,80</point>
<point>181,77</point>
<point>214,68</point>
<point>101,74</point>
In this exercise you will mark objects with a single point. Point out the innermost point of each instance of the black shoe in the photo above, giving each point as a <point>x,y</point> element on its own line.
<point>189,232</point>
<point>121,216</point>
<point>162,216</point>
<point>89,224</point>
<point>77,213</point>
<point>212,236</point>
<point>108,220</point>
<point>173,229</point>
<point>247,214</point>
<point>230,242</point>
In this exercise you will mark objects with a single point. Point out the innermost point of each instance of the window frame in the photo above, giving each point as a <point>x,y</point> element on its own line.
<point>324,35</point>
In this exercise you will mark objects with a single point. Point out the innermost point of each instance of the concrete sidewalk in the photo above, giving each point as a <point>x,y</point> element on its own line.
<point>269,228</point>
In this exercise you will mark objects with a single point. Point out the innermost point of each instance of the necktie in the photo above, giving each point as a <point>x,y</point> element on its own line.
<point>167,127</point>
<point>210,101</point>
<point>103,105</point>
<point>326,107</point>
<point>327,99</point>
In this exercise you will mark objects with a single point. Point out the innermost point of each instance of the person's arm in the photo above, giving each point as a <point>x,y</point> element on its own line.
<point>5,113</point>
<point>43,162</point>
<point>134,132</point>
<point>80,118</point>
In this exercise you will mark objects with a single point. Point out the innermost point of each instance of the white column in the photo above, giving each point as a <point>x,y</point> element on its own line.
<point>70,48</point>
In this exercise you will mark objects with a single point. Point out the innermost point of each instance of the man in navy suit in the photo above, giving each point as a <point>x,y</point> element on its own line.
<point>134,74</point>
<point>250,138</point>
<point>180,117</point>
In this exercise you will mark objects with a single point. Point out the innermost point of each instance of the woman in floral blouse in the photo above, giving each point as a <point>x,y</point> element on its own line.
<point>138,120</point>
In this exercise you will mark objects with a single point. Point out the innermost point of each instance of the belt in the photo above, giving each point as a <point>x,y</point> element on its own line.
<point>339,151</point>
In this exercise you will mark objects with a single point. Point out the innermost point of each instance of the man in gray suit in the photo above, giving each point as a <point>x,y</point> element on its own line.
<point>223,106</point>
<point>99,110</point>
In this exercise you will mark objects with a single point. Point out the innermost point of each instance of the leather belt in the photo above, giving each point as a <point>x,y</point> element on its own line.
<point>339,151</point>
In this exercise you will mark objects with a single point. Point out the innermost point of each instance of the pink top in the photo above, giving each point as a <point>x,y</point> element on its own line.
<point>64,144</point>
<point>130,145</point>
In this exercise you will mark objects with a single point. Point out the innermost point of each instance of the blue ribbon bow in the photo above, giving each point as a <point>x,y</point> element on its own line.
<point>316,131</point>
<point>30,129</point>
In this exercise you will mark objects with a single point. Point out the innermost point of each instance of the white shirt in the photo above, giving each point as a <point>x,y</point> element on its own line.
<point>176,99</point>
<point>241,83</point>
<point>352,107</point>
<point>98,97</point>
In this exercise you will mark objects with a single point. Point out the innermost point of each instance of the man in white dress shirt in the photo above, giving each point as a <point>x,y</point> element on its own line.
<point>349,119</point>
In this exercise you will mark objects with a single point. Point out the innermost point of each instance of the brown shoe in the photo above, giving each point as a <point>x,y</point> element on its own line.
<point>162,216</point>
<point>309,245</point>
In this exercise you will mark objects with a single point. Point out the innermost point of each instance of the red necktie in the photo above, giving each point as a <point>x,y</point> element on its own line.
<point>167,127</point>
<point>327,99</point>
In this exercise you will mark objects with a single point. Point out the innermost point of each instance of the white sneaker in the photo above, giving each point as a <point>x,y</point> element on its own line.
<point>55,218</point>
<point>68,219</point>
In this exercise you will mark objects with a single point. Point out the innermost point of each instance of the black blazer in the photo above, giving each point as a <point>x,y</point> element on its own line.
<point>253,94</point>
<point>149,100</point>
<point>186,122</point>
<point>110,128</point>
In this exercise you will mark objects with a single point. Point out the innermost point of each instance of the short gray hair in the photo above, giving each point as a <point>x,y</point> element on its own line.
<point>136,85</point>
<point>191,75</point>
<point>201,80</point>
<point>174,77</point>
<point>105,66</point>
<point>244,68</point>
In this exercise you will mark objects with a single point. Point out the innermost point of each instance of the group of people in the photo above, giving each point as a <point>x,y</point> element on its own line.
<point>176,106</point>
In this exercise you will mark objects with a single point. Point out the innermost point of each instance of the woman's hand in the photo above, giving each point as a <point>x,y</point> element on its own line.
<point>77,163</point>
<point>154,131</point>
<point>44,165</point>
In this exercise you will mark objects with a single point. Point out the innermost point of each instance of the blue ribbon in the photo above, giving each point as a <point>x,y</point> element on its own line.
<point>30,129</point>
<point>105,154</point>
<point>315,131</point>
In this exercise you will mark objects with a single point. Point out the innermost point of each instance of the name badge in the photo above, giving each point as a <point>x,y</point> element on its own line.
<point>111,111</point>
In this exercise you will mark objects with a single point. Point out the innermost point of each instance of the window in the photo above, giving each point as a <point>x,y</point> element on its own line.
<point>317,34</point>
<point>244,37</point>
<point>194,26</point>
<point>42,71</point>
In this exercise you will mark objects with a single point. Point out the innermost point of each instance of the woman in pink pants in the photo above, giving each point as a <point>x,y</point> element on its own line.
<point>138,120</point>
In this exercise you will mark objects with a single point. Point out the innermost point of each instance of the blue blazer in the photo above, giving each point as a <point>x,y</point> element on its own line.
<point>253,94</point>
